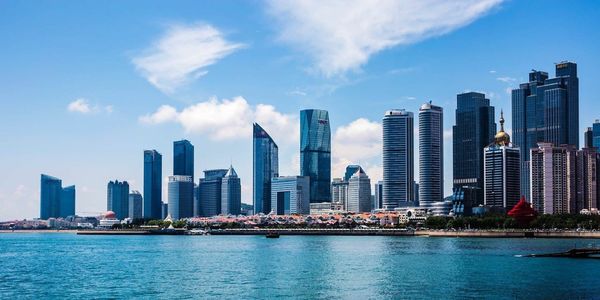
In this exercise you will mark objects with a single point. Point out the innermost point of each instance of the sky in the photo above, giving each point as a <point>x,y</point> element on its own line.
<point>86,86</point>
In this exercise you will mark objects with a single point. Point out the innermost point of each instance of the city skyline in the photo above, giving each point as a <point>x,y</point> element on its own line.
<point>94,112</point>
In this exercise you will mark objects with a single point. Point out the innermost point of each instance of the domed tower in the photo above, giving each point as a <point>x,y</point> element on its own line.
<point>502,138</point>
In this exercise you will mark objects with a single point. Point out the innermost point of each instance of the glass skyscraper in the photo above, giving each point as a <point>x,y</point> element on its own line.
<point>181,197</point>
<point>431,154</point>
<point>359,192</point>
<point>474,130</point>
<point>290,195</point>
<point>209,193</point>
<point>117,198</point>
<point>67,201</point>
<point>56,201</point>
<point>545,110</point>
<point>183,158</point>
<point>596,134</point>
<point>315,153</point>
<point>135,205</point>
<point>231,193</point>
<point>398,159</point>
<point>265,166</point>
<point>152,184</point>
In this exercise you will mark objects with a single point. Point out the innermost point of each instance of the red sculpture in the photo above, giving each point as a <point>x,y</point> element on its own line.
<point>522,212</point>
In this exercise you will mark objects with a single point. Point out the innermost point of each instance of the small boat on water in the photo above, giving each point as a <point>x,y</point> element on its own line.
<point>272,235</point>
<point>573,253</point>
<point>197,231</point>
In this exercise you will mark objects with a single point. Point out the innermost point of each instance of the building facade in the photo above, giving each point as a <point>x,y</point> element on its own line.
<point>67,201</point>
<point>265,166</point>
<point>55,201</point>
<point>117,198</point>
<point>135,205</point>
<point>596,134</point>
<point>181,197</point>
<point>588,137</point>
<point>588,172</point>
<point>152,185</point>
<point>378,196</point>
<point>474,130</point>
<point>231,193</point>
<point>339,191</point>
<point>290,195</point>
<point>183,158</point>
<point>359,192</point>
<point>431,154</point>
<point>209,193</point>
<point>545,110</point>
<point>315,153</point>
<point>398,159</point>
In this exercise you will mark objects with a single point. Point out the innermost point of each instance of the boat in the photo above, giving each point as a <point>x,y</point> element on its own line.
<point>272,235</point>
<point>197,231</point>
<point>573,253</point>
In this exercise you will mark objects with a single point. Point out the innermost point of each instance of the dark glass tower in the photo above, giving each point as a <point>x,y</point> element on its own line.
<point>265,166</point>
<point>474,130</point>
<point>231,193</point>
<point>315,153</point>
<point>209,193</point>
<point>431,154</point>
<point>596,134</point>
<point>56,201</point>
<point>152,184</point>
<point>181,197</point>
<point>398,159</point>
<point>67,201</point>
<point>545,110</point>
<point>117,198</point>
<point>183,158</point>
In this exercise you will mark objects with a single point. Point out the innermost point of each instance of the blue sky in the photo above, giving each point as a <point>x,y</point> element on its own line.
<point>86,86</point>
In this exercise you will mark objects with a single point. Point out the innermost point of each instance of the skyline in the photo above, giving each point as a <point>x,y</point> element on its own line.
<point>92,107</point>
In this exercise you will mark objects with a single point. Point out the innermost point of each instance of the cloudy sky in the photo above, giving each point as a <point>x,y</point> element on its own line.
<point>86,86</point>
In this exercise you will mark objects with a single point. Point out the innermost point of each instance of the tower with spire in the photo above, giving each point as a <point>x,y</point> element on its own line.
<point>231,193</point>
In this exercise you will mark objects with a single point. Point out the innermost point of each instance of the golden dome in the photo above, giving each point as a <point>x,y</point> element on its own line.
<point>502,138</point>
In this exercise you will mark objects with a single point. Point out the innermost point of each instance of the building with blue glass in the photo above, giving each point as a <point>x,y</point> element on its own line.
<point>431,154</point>
<point>152,185</point>
<point>596,134</point>
<point>135,205</point>
<point>183,158</point>
<point>231,193</point>
<point>181,197</point>
<point>290,195</point>
<point>359,192</point>
<point>474,130</point>
<point>315,153</point>
<point>55,201</point>
<point>209,193</point>
<point>398,159</point>
<point>117,198</point>
<point>545,110</point>
<point>265,165</point>
<point>378,195</point>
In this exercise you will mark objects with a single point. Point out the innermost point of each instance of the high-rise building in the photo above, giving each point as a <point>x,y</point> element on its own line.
<point>231,193</point>
<point>164,207</point>
<point>350,170</point>
<point>265,166</point>
<point>315,153</point>
<point>359,192</point>
<point>56,201</point>
<point>596,134</point>
<point>339,191</point>
<point>183,158</point>
<point>135,205</point>
<point>209,193</point>
<point>588,172</point>
<point>398,159</point>
<point>152,185</point>
<point>117,198</point>
<point>378,199</point>
<point>474,130</point>
<point>290,195</point>
<point>553,185</point>
<point>588,137</point>
<point>181,197</point>
<point>431,154</point>
<point>501,172</point>
<point>545,110</point>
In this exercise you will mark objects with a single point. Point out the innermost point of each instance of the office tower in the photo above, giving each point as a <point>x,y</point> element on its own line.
<point>474,130</point>
<point>431,154</point>
<point>378,199</point>
<point>290,195</point>
<point>164,207</point>
<point>545,110</point>
<point>183,158</point>
<point>209,193</point>
<point>359,192</point>
<point>117,198</point>
<point>465,198</point>
<point>55,201</point>
<point>501,172</point>
<point>350,170</point>
<point>265,165</point>
<point>596,134</point>
<point>315,153</point>
<point>181,197</point>
<point>67,201</point>
<point>231,193</point>
<point>135,205</point>
<point>398,159</point>
<point>588,137</point>
<point>588,170</point>
<point>152,185</point>
<point>553,185</point>
<point>339,191</point>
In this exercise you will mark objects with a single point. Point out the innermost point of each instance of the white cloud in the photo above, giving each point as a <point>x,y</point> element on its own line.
<point>359,142</point>
<point>83,106</point>
<point>448,134</point>
<point>183,53</point>
<point>341,35</point>
<point>492,71</point>
<point>506,79</point>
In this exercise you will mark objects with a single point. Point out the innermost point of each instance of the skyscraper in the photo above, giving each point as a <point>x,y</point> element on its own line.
<point>117,198</point>
<point>183,158</point>
<point>209,193</point>
<point>55,201</point>
<point>501,172</point>
<point>359,192</point>
<point>588,136</point>
<point>135,205</point>
<point>596,134</point>
<point>474,130</point>
<point>315,153</point>
<point>181,197</point>
<point>231,193</point>
<point>398,159</point>
<point>152,184</point>
<point>339,191</point>
<point>378,201</point>
<point>545,110</point>
<point>265,165</point>
<point>290,195</point>
<point>431,154</point>
<point>588,172</point>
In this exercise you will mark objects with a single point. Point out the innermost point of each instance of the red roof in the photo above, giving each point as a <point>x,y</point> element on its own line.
<point>522,211</point>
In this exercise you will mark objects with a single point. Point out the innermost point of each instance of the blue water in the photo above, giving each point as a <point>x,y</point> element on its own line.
<point>50,266</point>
